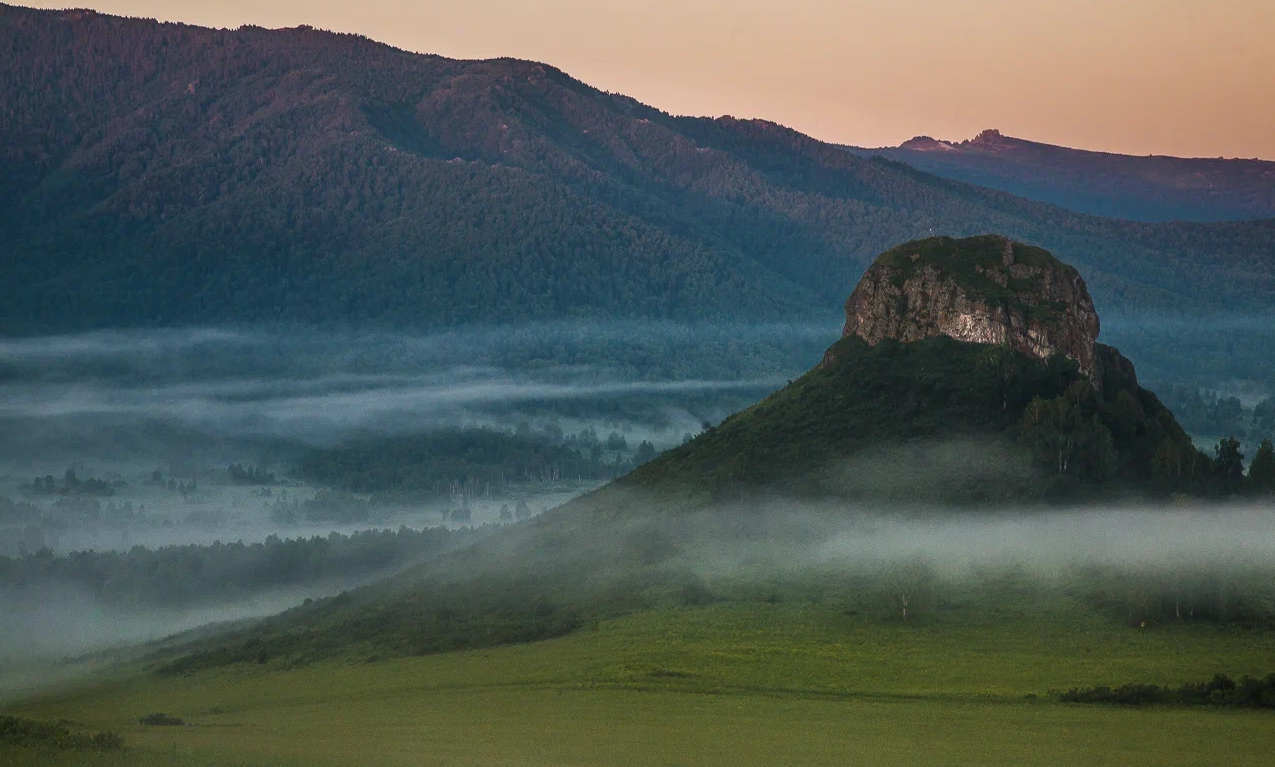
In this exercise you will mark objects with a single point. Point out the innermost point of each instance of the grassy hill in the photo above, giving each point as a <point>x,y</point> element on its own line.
<point>161,174</point>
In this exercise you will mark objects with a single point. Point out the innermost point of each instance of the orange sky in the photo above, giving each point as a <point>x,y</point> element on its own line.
<point>1183,77</point>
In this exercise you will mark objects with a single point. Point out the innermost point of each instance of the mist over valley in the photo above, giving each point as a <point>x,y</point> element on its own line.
<point>367,406</point>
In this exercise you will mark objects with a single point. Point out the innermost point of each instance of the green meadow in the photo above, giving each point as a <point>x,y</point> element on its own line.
<point>731,684</point>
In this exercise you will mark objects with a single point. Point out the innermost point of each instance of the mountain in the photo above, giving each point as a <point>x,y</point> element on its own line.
<point>968,372</point>
<point>987,290</point>
<point>895,423</point>
<point>164,174</point>
<point>1152,188</point>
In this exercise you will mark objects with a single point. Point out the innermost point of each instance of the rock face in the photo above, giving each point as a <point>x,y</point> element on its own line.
<point>986,290</point>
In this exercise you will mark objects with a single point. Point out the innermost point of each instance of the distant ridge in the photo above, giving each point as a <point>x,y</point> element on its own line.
<point>166,174</point>
<point>1152,188</point>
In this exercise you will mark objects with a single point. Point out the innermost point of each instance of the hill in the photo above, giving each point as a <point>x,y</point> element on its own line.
<point>968,372</point>
<point>1152,188</point>
<point>888,427</point>
<point>164,174</point>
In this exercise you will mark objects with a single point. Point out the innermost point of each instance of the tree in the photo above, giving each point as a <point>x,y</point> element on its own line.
<point>1066,436</point>
<point>1264,415</point>
<point>645,452</point>
<point>1001,363</point>
<point>1261,474</point>
<point>1228,467</point>
<point>906,581</point>
<point>1178,467</point>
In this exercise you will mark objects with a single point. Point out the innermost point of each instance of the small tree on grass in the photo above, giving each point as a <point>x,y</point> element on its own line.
<point>1228,467</point>
<point>907,581</point>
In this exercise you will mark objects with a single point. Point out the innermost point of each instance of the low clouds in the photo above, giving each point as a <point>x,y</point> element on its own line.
<point>144,390</point>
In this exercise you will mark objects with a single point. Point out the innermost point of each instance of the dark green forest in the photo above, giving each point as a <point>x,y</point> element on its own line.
<point>161,174</point>
<point>941,421</point>
<point>470,462</point>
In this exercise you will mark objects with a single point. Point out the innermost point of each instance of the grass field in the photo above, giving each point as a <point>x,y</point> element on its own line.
<point>732,684</point>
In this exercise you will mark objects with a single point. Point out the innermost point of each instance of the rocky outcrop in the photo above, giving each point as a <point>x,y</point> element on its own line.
<point>986,290</point>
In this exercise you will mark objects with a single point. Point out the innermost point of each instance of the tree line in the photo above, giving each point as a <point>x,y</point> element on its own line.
<point>190,575</point>
<point>478,460</point>
<point>1072,436</point>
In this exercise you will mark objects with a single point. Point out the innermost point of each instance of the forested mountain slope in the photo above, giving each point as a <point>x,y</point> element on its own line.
<point>1152,188</point>
<point>160,174</point>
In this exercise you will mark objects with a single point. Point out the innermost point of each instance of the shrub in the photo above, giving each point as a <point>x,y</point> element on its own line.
<point>1221,690</point>
<point>161,720</point>
<point>25,733</point>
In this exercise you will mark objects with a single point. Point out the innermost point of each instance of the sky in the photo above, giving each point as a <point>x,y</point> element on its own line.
<point>1181,77</point>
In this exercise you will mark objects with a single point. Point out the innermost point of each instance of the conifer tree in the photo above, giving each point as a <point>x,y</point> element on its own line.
<point>1261,475</point>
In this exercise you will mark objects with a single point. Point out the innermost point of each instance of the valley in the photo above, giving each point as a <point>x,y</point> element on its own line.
<point>362,405</point>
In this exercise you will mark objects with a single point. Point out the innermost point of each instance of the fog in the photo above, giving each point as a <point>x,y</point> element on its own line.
<point>57,621</point>
<point>120,406</point>
<point>327,409</point>
<point>147,392</point>
<point>1045,542</point>
<point>1212,562</point>
<point>60,632</point>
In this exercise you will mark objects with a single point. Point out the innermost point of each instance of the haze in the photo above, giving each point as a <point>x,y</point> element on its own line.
<point>83,397</point>
<point>1129,551</point>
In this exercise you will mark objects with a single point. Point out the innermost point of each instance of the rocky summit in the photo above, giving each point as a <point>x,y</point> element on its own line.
<point>987,290</point>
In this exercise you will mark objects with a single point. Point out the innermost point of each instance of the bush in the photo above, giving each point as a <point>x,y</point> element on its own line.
<point>1221,690</point>
<point>25,733</point>
<point>161,720</point>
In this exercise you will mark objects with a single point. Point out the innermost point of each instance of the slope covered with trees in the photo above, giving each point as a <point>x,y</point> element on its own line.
<point>967,373</point>
<point>166,174</point>
<point>940,421</point>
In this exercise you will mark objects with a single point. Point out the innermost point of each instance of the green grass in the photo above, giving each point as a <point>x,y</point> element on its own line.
<point>735,684</point>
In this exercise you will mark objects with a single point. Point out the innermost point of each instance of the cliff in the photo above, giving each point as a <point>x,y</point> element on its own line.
<point>986,290</point>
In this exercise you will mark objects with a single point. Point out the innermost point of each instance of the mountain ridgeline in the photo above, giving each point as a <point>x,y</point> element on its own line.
<point>1100,183</point>
<point>968,373</point>
<point>165,174</point>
